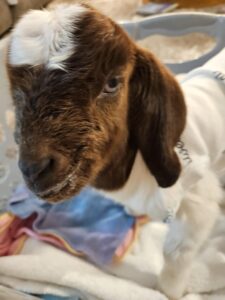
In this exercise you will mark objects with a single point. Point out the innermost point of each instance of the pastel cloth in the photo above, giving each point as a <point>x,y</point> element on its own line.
<point>43,269</point>
<point>87,225</point>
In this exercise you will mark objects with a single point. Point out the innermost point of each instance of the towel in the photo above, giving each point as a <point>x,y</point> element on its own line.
<point>41,268</point>
<point>88,224</point>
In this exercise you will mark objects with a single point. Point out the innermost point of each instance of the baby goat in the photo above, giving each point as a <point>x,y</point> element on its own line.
<point>92,108</point>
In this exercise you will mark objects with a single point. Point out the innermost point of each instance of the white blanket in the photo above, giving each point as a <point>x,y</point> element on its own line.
<point>41,268</point>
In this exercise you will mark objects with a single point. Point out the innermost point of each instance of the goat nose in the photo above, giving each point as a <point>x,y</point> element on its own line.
<point>31,169</point>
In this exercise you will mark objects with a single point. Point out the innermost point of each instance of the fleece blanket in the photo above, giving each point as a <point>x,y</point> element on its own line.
<point>41,268</point>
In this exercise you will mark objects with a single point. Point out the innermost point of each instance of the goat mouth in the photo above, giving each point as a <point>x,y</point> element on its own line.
<point>57,188</point>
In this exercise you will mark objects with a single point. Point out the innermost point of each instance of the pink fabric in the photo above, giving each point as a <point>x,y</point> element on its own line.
<point>11,240</point>
<point>14,231</point>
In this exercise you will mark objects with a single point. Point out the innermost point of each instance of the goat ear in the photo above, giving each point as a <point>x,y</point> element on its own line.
<point>157,116</point>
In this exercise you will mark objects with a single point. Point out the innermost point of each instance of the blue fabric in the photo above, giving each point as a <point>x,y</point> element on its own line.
<point>89,222</point>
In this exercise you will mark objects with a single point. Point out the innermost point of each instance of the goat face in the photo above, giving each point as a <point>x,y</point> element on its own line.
<point>86,99</point>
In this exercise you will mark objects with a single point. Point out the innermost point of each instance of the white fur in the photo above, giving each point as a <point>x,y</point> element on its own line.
<point>141,194</point>
<point>195,209</point>
<point>197,216</point>
<point>196,196</point>
<point>45,37</point>
<point>12,2</point>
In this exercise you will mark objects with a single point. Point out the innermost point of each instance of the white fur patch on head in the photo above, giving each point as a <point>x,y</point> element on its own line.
<point>45,37</point>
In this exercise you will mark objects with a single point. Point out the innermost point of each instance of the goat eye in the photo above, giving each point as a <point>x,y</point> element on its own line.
<point>111,86</point>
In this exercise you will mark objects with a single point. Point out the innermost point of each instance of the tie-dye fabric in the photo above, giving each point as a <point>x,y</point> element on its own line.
<point>89,225</point>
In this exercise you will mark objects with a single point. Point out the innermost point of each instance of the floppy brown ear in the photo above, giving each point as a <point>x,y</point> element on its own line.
<point>157,116</point>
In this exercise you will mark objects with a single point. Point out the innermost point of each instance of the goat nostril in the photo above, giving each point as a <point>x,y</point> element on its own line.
<point>32,169</point>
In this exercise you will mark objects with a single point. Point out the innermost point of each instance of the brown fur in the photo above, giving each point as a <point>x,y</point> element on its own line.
<point>61,114</point>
